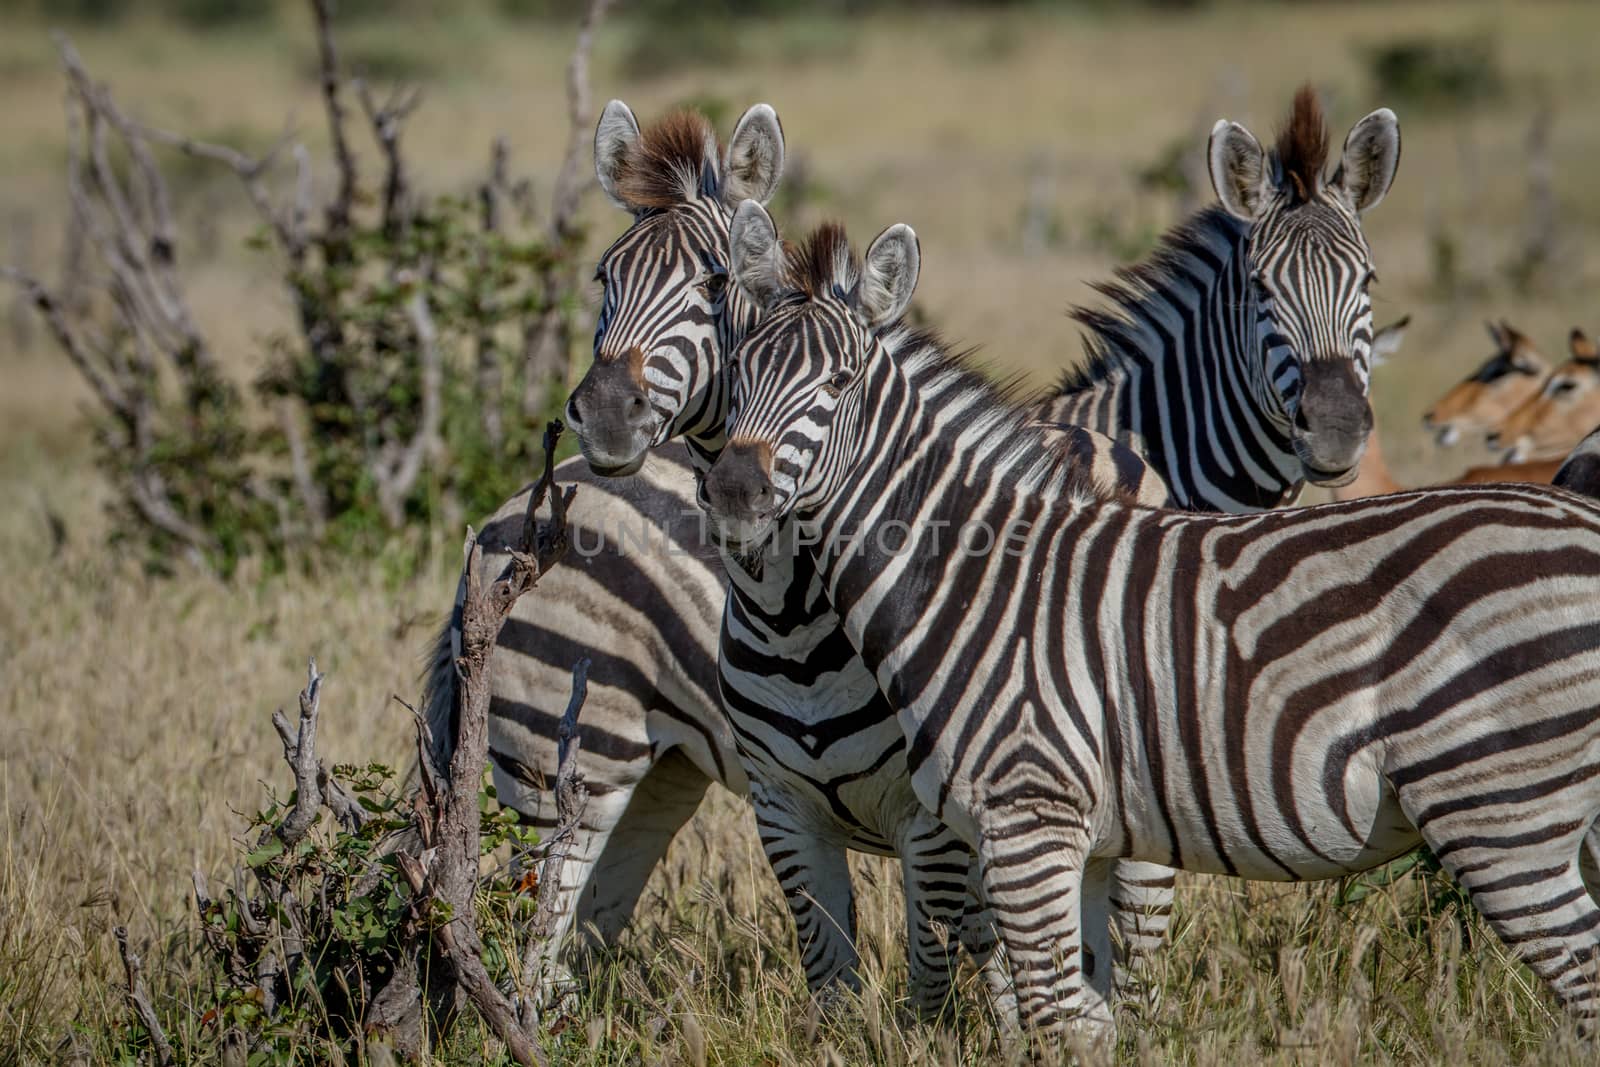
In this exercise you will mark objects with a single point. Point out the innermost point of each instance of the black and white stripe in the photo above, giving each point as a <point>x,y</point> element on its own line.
<point>1292,695</point>
<point>1236,358</point>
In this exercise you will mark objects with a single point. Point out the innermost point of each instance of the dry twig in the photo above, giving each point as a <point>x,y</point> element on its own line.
<point>139,999</point>
<point>449,801</point>
<point>572,796</point>
<point>548,337</point>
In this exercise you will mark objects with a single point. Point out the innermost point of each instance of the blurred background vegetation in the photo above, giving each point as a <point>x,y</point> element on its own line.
<point>1034,146</point>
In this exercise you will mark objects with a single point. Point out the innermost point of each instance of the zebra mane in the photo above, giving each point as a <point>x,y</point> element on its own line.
<point>674,161</point>
<point>1301,151</point>
<point>1210,235</point>
<point>954,383</point>
<point>822,264</point>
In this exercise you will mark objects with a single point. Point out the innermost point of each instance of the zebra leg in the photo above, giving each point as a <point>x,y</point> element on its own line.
<point>981,940</point>
<point>1141,908</point>
<point>815,877</point>
<point>933,864</point>
<point>1033,863</point>
<point>661,803</point>
<point>1098,965</point>
<point>1535,900</point>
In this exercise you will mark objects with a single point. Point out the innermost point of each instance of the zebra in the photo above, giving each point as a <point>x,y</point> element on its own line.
<point>1239,411</point>
<point>639,594</point>
<point>1144,894</point>
<point>1298,694</point>
<point>795,692</point>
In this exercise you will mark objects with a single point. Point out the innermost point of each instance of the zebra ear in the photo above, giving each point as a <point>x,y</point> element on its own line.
<point>754,161</point>
<point>889,276</point>
<point>755,260</point>
<point>1386,341</point>
<point>1238,170</point>
<point>1371,156</point>
<point>616,133</point>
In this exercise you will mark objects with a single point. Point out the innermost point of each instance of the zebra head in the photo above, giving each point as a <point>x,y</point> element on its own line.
<point>1309,269</point>
<point>667,314</point>
<point>798,376</point>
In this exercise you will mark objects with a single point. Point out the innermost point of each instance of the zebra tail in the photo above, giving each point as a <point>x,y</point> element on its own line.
<point>439,690</point>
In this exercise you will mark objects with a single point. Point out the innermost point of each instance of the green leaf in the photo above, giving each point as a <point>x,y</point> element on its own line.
<point>271,850</point>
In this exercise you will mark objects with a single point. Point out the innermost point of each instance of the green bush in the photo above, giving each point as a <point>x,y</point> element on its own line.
<point>1438,72</point>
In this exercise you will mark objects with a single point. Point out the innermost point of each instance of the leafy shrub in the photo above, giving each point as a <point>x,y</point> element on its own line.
<point>1439,72</point>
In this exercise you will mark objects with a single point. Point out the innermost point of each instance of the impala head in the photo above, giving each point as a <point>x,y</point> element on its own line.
<point>798,376</point>
<point>666,312</point>
<point>1561,414</point>
<point>1310,268</point>
<point>1507,380</point>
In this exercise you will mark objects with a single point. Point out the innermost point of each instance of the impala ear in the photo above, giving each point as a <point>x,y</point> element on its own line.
<point>1371,157</point>
<point>614,135</point>
<point>889,276</point>
<point>1239,170</point>
<point>1582,348</point>
<point>755,260</point>
<point>754,161</point>
<point>1497,333</point>
<point>1386,341</point>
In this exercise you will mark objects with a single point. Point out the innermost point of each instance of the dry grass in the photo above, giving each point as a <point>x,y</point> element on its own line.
<point>136,710</point>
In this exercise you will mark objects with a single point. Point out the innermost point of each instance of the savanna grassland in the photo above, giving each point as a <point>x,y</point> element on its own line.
<point>135,708</point>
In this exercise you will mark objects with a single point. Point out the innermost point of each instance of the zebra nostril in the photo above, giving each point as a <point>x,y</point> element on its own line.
<point>1492,437</point>
<point>638,409</point>
<point>1301,423</point>
<point>574,418</point>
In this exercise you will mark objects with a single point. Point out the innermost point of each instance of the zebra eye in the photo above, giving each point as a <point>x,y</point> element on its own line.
<point>1562,386</point>
<point>839,380</point>
<point>715,283</point>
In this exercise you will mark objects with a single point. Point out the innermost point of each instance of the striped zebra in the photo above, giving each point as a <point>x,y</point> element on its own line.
<point>1299,694</point>
<point>818,745</point>
<point>1236,359</point>
<point>664,257</point>
<point>641,591</point>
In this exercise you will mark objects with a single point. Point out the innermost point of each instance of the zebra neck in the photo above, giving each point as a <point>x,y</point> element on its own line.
<point>928,510</point>
<point>1176,371</point>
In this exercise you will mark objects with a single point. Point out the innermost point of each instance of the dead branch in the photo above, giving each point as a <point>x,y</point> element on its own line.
<point>300,752</point>
<point>572,796</point>
<point>464,951</point>
<point>340,208</point>
<point>448,803</point>
<point>139,1000</point>
<point>388,121</point>
<point>396,469</point>
<point>548,337</point>
<point>492,194</point>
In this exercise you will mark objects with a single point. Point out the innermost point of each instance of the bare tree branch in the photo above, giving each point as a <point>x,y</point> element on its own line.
<point>300,752</point>
<point>396,474</point>
<point>139,1000</point>
<point>449,804</point>
<point>572,796</point>
<point>549,336</point>
<point>388,122</point>
<point>340,208</point>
